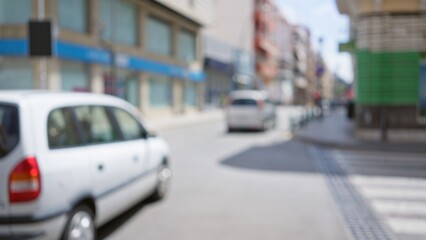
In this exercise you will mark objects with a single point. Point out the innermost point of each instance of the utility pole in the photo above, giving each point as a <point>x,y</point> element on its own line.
<point>319,74</point>
<point>43,61</point>
<point>113,71</point>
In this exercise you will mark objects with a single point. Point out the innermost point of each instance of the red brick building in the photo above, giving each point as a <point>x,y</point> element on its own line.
<point>266,47</point>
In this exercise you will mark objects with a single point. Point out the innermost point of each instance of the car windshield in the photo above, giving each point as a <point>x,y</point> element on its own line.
<point>9,128</point>
<point>244,102</point>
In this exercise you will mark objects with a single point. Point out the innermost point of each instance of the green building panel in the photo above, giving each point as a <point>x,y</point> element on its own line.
<point>387,78</point>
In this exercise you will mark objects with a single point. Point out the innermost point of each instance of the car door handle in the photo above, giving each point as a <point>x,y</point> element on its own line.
<point>136,159</point>
<point>100,167</point>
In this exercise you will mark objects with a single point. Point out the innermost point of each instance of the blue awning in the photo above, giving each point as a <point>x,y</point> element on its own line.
<point>87,54</point>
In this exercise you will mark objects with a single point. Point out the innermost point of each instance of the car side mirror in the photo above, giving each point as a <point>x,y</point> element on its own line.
<point>147,134</point>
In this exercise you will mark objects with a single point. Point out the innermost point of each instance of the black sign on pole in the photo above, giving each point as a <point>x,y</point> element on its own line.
<point>40,38</point>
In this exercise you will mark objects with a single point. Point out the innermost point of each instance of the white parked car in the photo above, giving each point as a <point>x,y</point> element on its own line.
<point>250,109</point>
<point>70,162</point>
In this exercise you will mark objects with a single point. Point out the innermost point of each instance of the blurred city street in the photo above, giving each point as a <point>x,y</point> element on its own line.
<point>212,119</point>
<point>265,185</point>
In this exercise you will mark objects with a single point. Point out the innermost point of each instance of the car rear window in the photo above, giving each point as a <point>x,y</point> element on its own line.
<point>9,128</point>
<point>244,102</point>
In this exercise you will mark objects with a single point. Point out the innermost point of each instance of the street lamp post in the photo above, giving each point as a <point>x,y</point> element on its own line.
<point>110,28</point>
<point>319,74</point>
<point>43,61</point>
<point>113,71</point>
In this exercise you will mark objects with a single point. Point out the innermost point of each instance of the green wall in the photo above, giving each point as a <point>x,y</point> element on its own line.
<point>387,78</point>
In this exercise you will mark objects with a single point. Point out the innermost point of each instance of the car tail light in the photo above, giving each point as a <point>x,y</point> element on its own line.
<point>260,104</point>
<point>25,181</point>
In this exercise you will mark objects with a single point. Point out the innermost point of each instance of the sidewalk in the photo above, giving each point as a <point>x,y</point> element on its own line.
<point>185,120</point>
<point>336,131</point>
<point>380,188</point>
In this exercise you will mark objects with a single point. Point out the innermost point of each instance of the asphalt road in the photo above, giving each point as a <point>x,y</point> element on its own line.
<point>247,185</point>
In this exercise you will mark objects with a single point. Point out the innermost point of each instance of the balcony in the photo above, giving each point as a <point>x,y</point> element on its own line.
<point>261,42</point>
<point>260,16</point>
<point>267,70</point>
<point>355,8</point>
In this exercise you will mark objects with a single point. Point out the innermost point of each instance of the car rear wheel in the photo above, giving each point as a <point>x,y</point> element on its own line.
<point>80,225</point>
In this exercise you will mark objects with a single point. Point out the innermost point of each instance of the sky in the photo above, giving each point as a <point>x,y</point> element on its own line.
<point>323,20</point>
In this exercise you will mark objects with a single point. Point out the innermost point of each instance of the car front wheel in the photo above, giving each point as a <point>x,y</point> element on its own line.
<point>164,175</point>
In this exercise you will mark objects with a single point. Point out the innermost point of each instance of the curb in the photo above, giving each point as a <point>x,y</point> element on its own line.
<point>326,144</point>
<point>364,146</point>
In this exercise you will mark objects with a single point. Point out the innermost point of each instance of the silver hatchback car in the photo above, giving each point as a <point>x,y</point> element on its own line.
<point>70,162</point>
<point>250,109</point>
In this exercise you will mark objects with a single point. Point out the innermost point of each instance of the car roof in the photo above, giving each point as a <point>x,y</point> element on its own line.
<point>254,94</point>
<point>52,98</point>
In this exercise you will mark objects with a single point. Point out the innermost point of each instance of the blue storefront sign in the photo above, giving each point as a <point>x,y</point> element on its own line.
<point>13,47</point>
<point>81,53</point>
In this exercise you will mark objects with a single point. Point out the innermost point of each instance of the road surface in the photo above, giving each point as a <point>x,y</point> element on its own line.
<point>246,185</point>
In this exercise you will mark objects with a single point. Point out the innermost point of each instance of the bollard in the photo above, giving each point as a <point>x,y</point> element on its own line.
<point>294,124</point>
<point>383,125</point>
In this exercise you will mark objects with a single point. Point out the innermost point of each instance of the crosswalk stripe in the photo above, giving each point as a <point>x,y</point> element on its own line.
<point>395,164</point>
<point>352,169</point>
<point>386,161</point>
<point>379,159</point>
<point>388,193</point>
<point>394,182</point>
<point>383,155</point>
<point>396,207</point>
<point>407,226</point>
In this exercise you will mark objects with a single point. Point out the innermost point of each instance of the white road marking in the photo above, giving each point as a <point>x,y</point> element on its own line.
<point>407,226</point>
<point>400,201</point>
<point>395,182</point>
<point>400,207</point>
<point>378,192</point>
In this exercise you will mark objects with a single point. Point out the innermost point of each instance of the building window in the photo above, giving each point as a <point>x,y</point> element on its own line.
<point>191,93</point>
<point>107,24</point>
<point>16,74</point>
<point>187,46</point>
<point>124,30</point>
<point>160,91</point>
<point>73,15</point>
<point>159,37</point>
<point>75,77</point>
<point>132,91</point>
<point>128,87</point>
<point>15,12</point>
<point>127,22</point>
